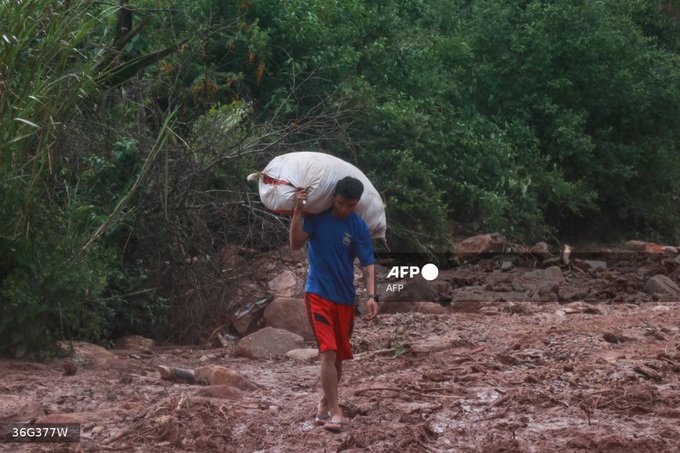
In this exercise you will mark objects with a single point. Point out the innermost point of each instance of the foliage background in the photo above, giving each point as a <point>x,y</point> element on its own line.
<point>123,153</point>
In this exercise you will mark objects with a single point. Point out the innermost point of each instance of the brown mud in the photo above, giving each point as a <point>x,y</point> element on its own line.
<point>600,375</point>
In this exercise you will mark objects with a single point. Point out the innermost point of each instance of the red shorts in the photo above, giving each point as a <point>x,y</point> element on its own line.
<point>332,325</point>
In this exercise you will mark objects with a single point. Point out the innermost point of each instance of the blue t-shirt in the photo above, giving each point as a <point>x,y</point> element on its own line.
<point>332,247</point>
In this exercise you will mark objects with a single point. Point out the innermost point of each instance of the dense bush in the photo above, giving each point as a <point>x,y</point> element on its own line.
<point>533,118</point>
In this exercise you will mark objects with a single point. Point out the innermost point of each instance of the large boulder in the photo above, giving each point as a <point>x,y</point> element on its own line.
<point>86,352</point>
<point>663,287</point>
<point>267,343</point>
<point>287,284</point>
<point>643,247</point>
<point>135,342</point>
<point>479,246</point>
<point>553,273</point>
<point>16,408</point>
<point>540,250</point>
<point>289,314</point>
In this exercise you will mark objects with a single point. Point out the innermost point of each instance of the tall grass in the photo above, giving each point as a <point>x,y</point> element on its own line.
<point>53,64</point>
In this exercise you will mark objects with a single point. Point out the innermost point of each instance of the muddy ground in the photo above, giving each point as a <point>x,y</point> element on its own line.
<point>600,374</point>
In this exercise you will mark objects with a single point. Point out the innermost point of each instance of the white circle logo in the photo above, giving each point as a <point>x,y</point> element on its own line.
<point>429,272</point>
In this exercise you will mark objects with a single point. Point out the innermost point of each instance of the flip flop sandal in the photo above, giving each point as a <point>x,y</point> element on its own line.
<point>334,427</point>
<point>321,419</point>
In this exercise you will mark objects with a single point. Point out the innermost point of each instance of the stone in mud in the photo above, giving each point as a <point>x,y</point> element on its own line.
<point>663,287</point>
<point>478,246</point>
<point>540,250</point>
<point>87,352</point>
<point>267,343</point>
<point>135,342</point>
<point>289,314</point>
<point>303,355</point>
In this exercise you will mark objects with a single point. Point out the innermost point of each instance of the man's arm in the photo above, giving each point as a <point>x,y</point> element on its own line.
<point>369,281</point>
<point>297,236</point>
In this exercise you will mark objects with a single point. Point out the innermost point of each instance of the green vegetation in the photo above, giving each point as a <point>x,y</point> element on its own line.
<point>123,152</point>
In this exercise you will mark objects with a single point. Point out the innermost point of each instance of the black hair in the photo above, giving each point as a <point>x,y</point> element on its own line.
<point>350,188</point>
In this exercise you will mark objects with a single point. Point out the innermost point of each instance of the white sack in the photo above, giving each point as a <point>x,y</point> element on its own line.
<point>319,173</point>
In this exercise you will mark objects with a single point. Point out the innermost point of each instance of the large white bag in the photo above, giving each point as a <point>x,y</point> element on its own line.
<point>318,173</point>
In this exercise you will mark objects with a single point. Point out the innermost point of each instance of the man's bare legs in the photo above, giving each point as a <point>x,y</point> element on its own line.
<point>331,372</point>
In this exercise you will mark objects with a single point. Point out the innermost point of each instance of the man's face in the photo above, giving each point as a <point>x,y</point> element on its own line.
<point>342,207</point>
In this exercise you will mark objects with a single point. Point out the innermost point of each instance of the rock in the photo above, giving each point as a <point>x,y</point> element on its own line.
<point>136,342</point>
<point>290,256</point>
<point>220,391</point>
<point>572,293</point>
<point>507,266</point>
<point>634,246</point>
<point>86,352</point>
<point>540,250</point>
<point>229,258</point>
<point>430,308</point>
<point>662,286</point>
<point>590,265</point>
<point>18,408</point>
<point>610,337</point>
<point>553,273</point>
<point>290,315</point>
<point>670,249</point>
<point>549,292</point>
<point>478,246</point>
<point>490,311</point>
<point>286,284</point>
<point>643,247</point>
<point>303,355</point>
<point>268,342</point>
<point>218,375</point>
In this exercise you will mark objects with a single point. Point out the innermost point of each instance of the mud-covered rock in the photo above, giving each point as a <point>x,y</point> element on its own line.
<point>289,314</point>
<point>663,287</point>
<point>267,343</point>
<point>136,342</point>
<point>479,246</point>
<point>303,355</point>
<point>286,284</point>
<point>86,352</point>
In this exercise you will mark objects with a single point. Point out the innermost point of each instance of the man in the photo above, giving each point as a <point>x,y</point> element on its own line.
<point>336,237</point>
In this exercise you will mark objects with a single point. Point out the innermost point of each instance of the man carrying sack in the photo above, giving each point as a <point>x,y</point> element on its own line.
<point>335,238</point>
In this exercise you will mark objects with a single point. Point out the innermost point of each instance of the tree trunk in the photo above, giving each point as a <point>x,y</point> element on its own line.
<point>124,18</point>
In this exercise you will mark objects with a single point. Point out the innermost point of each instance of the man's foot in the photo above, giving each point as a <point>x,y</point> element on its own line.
<point>334,427</point>
<point>321,419</point>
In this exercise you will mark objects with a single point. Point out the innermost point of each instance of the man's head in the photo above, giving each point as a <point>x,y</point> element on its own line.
<point>348,192</point>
